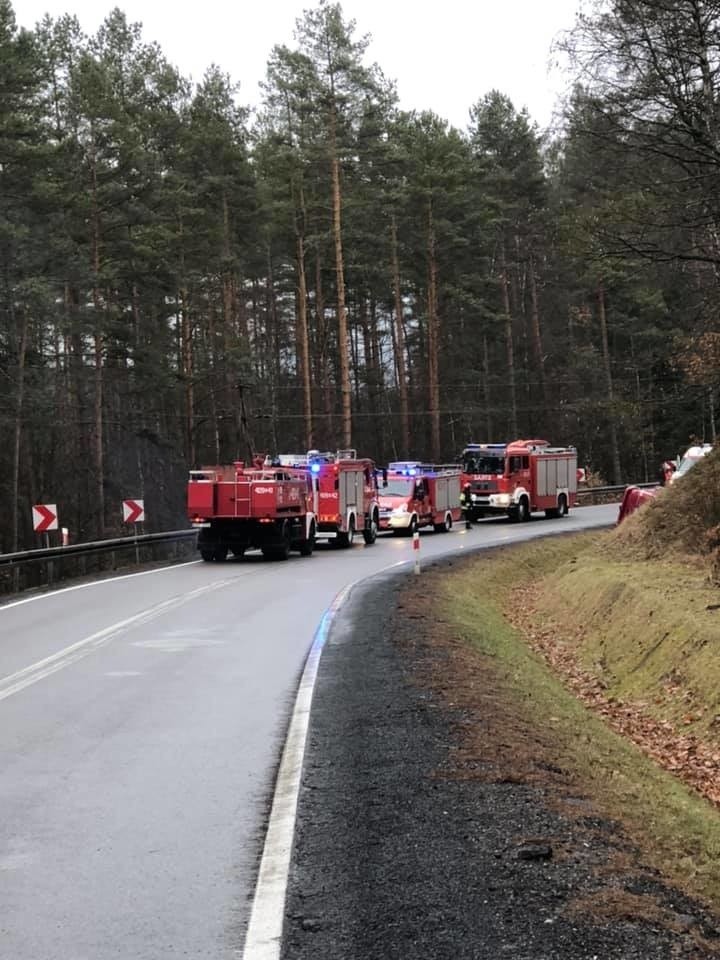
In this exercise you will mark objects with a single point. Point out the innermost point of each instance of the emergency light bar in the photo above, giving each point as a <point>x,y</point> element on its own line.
<point>484,446</point>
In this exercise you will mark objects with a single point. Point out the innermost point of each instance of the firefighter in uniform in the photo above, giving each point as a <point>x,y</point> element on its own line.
<point>466,505</point>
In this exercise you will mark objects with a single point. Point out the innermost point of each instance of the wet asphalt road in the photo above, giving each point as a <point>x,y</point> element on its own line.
<point>141,720</point>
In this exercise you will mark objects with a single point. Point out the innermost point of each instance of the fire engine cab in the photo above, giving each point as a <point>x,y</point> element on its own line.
<point>415,495</point>
<point>347,494</point>
<point>519,478</point>
<point>237,508</point>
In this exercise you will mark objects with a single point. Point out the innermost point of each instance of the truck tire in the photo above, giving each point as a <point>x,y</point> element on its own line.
<point>307,546</point>
<point>345,540</point>
<point>208,554</point>
<point>220,553</point>
<point>522,511</point>
<point>280,550</point>
<point>370,533</point>
<point>445,526</point>
<point>412,527</point>
<point>560,510</point>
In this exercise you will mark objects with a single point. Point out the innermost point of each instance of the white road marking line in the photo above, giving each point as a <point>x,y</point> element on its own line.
<point>264,933</point>
<point>95,583</point>
<point>15,682</point>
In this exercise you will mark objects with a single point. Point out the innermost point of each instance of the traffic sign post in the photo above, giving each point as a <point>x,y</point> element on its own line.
<point>134,512</point>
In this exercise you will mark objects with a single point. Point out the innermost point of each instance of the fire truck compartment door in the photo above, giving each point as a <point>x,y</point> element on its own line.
<point>349,482</point>
<point>447,493</point>
<point>555,474</point>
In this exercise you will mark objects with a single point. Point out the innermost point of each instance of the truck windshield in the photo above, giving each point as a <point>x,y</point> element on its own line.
<point>484,464</point>
<point>398,487</point>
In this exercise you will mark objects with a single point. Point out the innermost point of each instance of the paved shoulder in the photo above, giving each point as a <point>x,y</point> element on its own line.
<point>396,858</point>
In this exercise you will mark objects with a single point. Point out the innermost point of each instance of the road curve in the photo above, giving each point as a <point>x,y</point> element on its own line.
<point>141,720</point>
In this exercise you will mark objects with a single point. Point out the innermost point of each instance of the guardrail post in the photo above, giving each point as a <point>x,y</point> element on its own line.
<point>416,550</point>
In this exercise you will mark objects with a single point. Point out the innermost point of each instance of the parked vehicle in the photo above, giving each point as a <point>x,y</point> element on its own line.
<point>688,460</point>
<point>347,494</point>
<point>237,508</point>
<point>415,495</point>
<point>520,478</point>
<point>635,497</point>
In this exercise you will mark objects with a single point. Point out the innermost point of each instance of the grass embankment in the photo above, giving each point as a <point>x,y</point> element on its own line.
<point>602,640</point>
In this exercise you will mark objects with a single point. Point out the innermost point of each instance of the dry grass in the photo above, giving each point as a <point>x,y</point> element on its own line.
<point>554,735</point>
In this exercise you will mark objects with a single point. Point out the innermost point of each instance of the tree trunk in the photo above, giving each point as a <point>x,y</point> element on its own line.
<point>187,358</point>
<point>343,359</point>
<point>537,334</point>
<point>327,385</point>
<point>302,319</point>
<point>486,391</point>
<point>509,347</point>
<point>400,346</point>
<point>615,450</point>
<point>98,347</point>
<point>433,341</point>
<point>18,433</point>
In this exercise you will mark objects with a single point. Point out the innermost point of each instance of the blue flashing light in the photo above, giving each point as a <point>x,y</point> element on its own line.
<point>315,467</point>
<point>412,472</point>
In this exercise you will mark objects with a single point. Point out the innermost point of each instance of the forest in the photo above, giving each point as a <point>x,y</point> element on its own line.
<point>185,281</point>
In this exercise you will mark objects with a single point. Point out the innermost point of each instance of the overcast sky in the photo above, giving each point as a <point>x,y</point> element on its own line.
<point>443,54</point>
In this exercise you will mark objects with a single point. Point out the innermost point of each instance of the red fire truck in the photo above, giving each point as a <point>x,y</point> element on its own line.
<point>415,495</point>
<point>237,508</point>
<point>519,478</point>
<point>347,494</point>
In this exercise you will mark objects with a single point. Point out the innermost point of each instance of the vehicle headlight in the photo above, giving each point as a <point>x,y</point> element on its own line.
<point>502,499</point>
<point>401,509</point>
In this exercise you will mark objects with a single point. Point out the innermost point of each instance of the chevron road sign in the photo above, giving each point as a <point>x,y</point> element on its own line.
<point>45,517</point>
<point>133,511</point>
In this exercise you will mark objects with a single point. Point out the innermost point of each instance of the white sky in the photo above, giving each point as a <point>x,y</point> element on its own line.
<point>444,54</point>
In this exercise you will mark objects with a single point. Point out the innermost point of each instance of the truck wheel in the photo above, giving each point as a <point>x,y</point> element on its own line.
<point>412,526</point>
<point>238,552</point>
<point>208,554</point>
<point>346,539</point>
<point>523,510</point>
<point>370,533</point>
<point>562,506</point>
<point>445,526</point>
<point>220,554</point>
<point>307,546</point>
<point>275,552</point>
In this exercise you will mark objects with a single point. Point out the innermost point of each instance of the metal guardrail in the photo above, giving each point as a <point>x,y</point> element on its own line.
<point>96,546</point>
<point>25,569</point>
<point>591,493</point>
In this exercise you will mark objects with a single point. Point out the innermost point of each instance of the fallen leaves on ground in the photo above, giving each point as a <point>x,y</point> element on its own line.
<point>686,756</point>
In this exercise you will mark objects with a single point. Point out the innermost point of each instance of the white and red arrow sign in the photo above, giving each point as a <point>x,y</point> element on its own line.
<point>45,517</point>
<point>133,511</point>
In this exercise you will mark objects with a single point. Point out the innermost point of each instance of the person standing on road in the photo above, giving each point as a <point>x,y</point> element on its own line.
<point>466,505</point>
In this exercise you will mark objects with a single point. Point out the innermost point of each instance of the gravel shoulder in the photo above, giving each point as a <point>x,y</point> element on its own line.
<point>420,834</point>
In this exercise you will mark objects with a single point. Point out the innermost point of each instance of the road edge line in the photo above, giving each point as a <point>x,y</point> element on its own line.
<point>263,940</point>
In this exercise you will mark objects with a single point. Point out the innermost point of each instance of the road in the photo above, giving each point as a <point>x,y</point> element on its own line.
<point>141,723</point>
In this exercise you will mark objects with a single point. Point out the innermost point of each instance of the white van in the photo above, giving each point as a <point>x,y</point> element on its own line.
<point>690,458</point>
